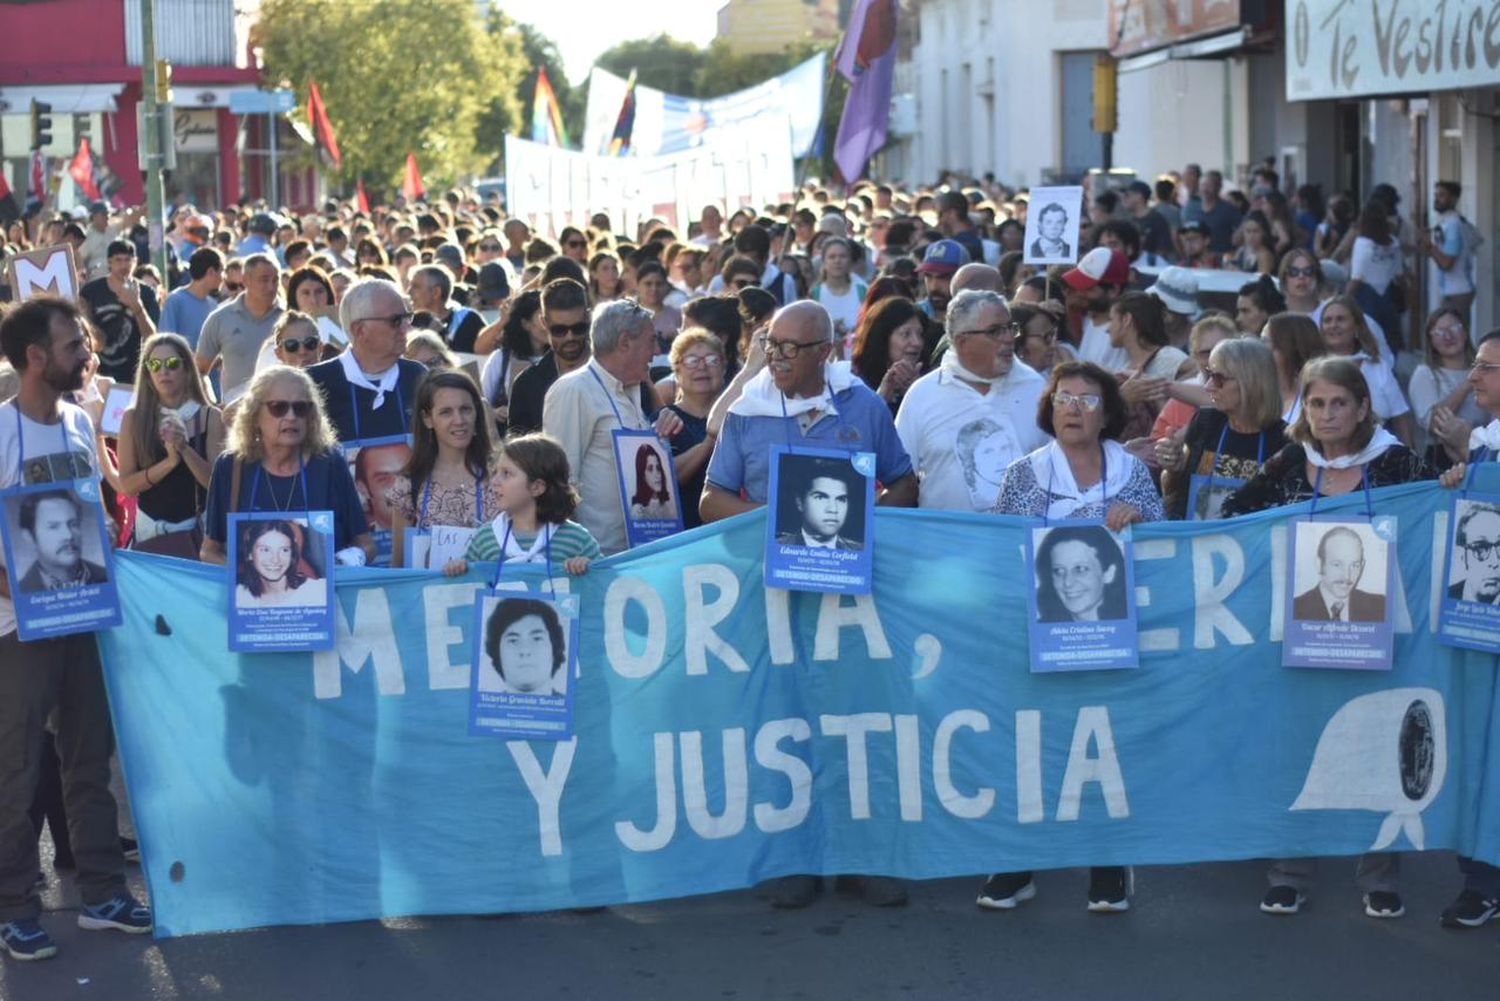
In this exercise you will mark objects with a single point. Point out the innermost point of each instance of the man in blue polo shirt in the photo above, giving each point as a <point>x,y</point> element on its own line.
<point>802,399</point>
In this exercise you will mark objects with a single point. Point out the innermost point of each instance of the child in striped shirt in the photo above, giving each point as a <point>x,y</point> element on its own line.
<point>537,504</point>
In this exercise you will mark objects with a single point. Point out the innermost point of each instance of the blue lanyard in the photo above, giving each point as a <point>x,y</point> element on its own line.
<point>1260,453</point>
<point>1103,484</point>
<point>400,407</point>
<point>478,502</point>
<point>301,472</point>
<point>608,396</point>
<point>547,548</point>
<point>1364,479</point>
<point>62,429</point>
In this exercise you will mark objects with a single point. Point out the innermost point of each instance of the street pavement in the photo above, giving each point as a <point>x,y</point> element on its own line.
<point>1193,932</point>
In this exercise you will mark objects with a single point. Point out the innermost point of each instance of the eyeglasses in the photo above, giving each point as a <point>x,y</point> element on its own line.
<point>395,319</point>
<point>1448,330</point>
<point>995,333</point>
<point>493,248</point>
<point>1213,377</point>
<point>1088,402</point>
<point>575,244</point>
<point>292,345</point>
<point>279,408</point>
<point>1307,272</point>
<point>1482,551</point>
<point>1484,366</point>
<point>702,361</point>
<point>155,365</point>
<point>561,330</point>
<point>788,349</point>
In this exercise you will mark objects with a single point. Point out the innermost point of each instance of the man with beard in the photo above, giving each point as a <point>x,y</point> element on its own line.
<point>1094,286</point>
<point>942,259</point>
<point>44,439</point>
<point>124,310</point>
<point>53,522</point>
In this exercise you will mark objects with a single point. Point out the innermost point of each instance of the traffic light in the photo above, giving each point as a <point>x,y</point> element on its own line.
<point>41,124</point>
<point>163,82</point>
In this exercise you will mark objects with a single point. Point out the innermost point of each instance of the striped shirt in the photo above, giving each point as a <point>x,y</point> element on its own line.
<point>569,540</point>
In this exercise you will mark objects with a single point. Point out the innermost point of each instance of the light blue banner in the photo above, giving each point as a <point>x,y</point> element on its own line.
<point>726,734</point>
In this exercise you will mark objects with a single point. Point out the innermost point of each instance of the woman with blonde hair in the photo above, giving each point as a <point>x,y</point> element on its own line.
<point>169,439</point>
<point>282,457</point>
<point>1346,334</point>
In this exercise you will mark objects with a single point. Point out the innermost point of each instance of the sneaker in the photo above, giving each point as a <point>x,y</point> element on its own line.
<point>1471,910</point>
<point>120,913</point>
<point>27,940</point>
<point>1109,889</point>
<point>790,893</point>
<point>1282,900</point>
<point>1383,904</point>
<point>1005,891</point>
<point>131,849</point>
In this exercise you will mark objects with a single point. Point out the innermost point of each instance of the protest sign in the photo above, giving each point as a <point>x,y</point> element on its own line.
<point>1340,581</point>
<point>819,538</point>
<point>1052,219</point>
<point>1083,602</point>
<point>374,464</point>
<point>58,559</point>
<point>44,271</point>
<point>648,487</point>
<point>1470,615</point>
<point>525,654</point>
<point>280,581</point>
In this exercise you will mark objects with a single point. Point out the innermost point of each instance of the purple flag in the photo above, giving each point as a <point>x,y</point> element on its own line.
<point>867,59</point>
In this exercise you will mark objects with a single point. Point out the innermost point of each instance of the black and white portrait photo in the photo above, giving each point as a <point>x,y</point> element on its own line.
<point>56,539</point>
<point>1080,574</point>
<point>525,648</point>
<point>821,503</point>
<point>1474,563</point>
<point>1052,217</point>
<point>1340,573</point>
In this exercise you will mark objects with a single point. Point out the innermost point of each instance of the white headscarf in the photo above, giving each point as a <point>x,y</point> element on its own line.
<point>1049,464</point>
<point>955,369</point>
<point>357,377</point>
<point>1379,442</point>
<point>1486,437</point>
<point>761,398</point>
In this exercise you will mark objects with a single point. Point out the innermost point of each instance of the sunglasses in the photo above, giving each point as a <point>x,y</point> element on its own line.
<point>1216,378</point>
<point>279,408</point>
<point>292,344</point>
<point>1296,272</point>
<point>493,248</point>
<point>155,365</point>
<point>561,330</point>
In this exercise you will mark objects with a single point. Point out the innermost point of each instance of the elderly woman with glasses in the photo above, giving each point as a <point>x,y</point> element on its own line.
<point>698,372</point>
<point>282,457</point>
<point>1083,473</point>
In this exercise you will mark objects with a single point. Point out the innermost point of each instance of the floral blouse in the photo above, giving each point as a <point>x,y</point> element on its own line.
<point>448,505</point>
<point>1021,494</point>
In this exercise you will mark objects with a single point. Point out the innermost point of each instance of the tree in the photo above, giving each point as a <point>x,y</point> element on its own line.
<point>399,76</point>
<point>540,52</point>
<point>661,62</point>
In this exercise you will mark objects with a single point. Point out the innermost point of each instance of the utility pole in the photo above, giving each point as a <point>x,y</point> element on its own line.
<point>152,139</point>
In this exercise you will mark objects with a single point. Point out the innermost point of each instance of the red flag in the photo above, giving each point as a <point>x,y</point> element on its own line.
<point>82,171</point>
<point>361,200</point>
<point>411,186</point>
<point>317,114</point>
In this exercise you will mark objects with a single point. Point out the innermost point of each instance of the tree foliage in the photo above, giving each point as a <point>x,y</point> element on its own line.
<point>540,52</point>
<point>399,76</point>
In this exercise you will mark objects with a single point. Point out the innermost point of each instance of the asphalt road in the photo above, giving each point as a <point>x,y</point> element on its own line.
<point>1193,932</point>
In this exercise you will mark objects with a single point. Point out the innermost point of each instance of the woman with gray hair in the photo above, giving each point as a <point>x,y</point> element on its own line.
<point>282,457</point>
<point>1228,441</point>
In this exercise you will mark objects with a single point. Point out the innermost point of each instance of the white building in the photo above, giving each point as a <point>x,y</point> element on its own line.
<point>1005,87</point>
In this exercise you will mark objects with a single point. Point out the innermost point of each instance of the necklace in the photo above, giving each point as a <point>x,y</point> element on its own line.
<point>276,501</point>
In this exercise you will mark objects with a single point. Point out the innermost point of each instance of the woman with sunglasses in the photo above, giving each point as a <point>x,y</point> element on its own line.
<point>283,457</point>
<point>1083,473</point>
<point>169,440</point>
<point>574,244</point>
<point>698,373</point>
<point>1442,398</point>
<point>1302,284</point>
<point>296,340</point>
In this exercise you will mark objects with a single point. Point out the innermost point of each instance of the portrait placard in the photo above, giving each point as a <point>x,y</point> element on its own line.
<point>1469,616</point>
<point>1052,217</point>
<point>58,560</point>
<point>281,572</point>
<point>1207,494</point>
<point>120,399</point>
<point>648,487</point>
<point>374,464</point>
<point>525,656</point>
<point>1082,598</point>
<point>44,271</point>
<point>1340,576</point>
<point>818,534</point>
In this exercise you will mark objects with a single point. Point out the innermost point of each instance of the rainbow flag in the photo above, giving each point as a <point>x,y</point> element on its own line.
<point>619,142</point>
<point>546,114</point>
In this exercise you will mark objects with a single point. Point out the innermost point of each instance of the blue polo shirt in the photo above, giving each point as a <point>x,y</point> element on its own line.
<point>742,457</point>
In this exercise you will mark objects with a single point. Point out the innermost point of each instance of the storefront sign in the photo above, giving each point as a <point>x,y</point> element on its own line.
<point>1336,48</point>
<point>1137,26</point>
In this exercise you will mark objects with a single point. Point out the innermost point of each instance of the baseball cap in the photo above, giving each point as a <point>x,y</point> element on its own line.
<point>494,283</point>
<point>943,258</point>
<point>1194,226</point>
<point>1100,266</point>
<point>1178,289</point>
<point>263,222</point>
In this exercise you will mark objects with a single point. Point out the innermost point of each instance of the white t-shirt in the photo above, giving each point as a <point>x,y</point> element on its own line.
<point>1385,395</point>
<point>1448,233</point>
<point>1387,356</point>
<point>844,309</point>
<point>1094,346</point>
<point>1375,264</point>
<point>960,440</point>
<point>53,453</point>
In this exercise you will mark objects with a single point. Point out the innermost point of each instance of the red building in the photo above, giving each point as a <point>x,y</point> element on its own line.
<point>83,57</point>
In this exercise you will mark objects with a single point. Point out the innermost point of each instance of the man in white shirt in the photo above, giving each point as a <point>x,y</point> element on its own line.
<point>974,416</point>
<point>1096,284</point>
<point>1451,251</point>
<point>585,407</point>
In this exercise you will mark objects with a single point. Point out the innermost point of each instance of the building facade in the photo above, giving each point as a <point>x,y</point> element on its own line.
<point>751,26</point>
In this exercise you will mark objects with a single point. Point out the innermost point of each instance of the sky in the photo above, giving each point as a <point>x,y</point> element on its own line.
<point>582,29</point>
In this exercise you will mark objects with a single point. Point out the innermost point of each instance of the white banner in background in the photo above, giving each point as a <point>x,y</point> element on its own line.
<point>551,188</point>
<point>671,123</point>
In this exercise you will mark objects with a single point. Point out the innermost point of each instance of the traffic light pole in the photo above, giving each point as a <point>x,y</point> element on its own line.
<point>155,192</point>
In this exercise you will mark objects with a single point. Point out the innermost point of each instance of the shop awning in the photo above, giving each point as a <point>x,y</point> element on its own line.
<point>66,99</point>
<point>1197,48</point>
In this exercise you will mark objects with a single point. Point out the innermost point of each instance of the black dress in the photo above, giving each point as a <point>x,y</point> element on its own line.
<point>1241,458</point>
<point>1284,480</point>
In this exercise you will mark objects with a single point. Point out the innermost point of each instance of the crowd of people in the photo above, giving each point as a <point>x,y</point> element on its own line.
<point>906,324</point>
